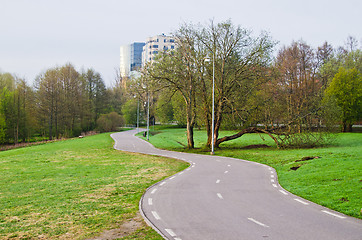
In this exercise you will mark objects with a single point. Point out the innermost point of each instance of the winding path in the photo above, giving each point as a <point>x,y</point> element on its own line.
<point>224,198</point>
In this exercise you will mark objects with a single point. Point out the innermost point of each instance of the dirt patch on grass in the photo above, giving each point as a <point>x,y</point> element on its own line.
<point>256,146</point>
<point>307,158</point>
<point>125,229</point>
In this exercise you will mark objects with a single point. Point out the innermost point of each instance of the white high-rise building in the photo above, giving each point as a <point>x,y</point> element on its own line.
<point>125,60</point>
<point>156,44</point>
<point>130,58</point>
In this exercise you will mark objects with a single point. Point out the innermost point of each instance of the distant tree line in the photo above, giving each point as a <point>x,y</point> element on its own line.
<point>291,97</point>
<point>62,103</point>
<point>288,95</point>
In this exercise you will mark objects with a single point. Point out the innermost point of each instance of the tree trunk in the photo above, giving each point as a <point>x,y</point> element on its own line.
<point>247,130</point>
<point>344,127</point>
<point>349,127</point>
<point>50,126</point>
<point>190,135</point>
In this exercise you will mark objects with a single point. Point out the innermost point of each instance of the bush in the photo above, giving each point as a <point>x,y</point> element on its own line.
<point>109,122</point>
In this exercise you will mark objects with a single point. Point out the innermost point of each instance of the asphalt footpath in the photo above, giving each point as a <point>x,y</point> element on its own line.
<point>225,198</point>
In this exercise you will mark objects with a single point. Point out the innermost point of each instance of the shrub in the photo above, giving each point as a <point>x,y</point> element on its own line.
<point>109,122</point>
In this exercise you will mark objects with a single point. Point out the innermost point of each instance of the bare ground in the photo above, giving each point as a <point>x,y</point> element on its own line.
<point>124,230</point>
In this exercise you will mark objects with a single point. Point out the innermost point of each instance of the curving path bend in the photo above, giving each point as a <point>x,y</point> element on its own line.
<point>224,198</point>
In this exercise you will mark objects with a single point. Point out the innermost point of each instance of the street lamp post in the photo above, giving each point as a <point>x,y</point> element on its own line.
<point>213,102</point>
<point>138,115</point>
<point>148,117</point>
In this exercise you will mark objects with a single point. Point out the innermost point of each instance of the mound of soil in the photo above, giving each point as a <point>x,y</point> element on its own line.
<point>256,146</point>
<point>307,158</point>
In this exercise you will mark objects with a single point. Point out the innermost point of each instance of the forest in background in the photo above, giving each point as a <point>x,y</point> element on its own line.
<point>298,86</point>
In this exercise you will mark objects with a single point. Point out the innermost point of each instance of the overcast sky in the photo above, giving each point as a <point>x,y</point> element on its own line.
<point>39,34</point>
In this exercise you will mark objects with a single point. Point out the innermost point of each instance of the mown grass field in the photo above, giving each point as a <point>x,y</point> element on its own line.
<point>334,179</point>
<point>76,189</point>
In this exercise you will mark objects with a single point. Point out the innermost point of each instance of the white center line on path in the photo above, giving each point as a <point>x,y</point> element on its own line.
<point>150,201</point>
<point>154,190</point>
<point>162,183</point>
<point>271,172</point>
<point>302,202</point>
<point>229,165</point>
<point>226,171</point>
<point>274,185</point>
<point>156,215</point>
<point>178,239</point>
<point>272,180</point>
<point>219,195</point>
<point>285,193</point>
<point>218,181</point>
<point>272,176</point>
<point>257,222</point>
<point>336,215</point>
<point>169,231</point>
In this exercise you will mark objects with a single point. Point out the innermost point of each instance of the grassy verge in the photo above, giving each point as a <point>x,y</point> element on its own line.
<point>76,189</point>
<point>333,179</point>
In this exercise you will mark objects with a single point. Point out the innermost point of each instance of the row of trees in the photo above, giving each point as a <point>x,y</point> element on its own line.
<point>62,103</point>
<point>300,90</point>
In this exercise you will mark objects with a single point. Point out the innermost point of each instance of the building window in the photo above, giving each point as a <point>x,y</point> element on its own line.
<point>172,47</point>
<point>155,46</point>
<point>154,52</point>
<point>172,40</point>
<point>165,48</point>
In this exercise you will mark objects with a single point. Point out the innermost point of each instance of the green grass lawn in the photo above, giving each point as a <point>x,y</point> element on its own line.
<point>333,180</point>
<point>76,189</point>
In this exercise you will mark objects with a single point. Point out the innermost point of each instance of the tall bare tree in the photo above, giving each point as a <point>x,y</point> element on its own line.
<point>240,61</point>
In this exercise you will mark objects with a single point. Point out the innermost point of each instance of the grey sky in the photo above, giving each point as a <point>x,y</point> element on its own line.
<point>39,34</point>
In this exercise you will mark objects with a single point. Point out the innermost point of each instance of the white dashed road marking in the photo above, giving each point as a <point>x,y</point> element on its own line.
<point>285,193</point>
<point>170,232</point>
<point>226,171</point>
<point>219,195</point>
<point>162,183</point>
<point>150,201</point>
<point>257,222</point>
<point>302,202</point>
<point>274,185</point>
<point>336,215</point>
<point>154,190</point>
<point>155,215</point>
<point>218,181</point>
